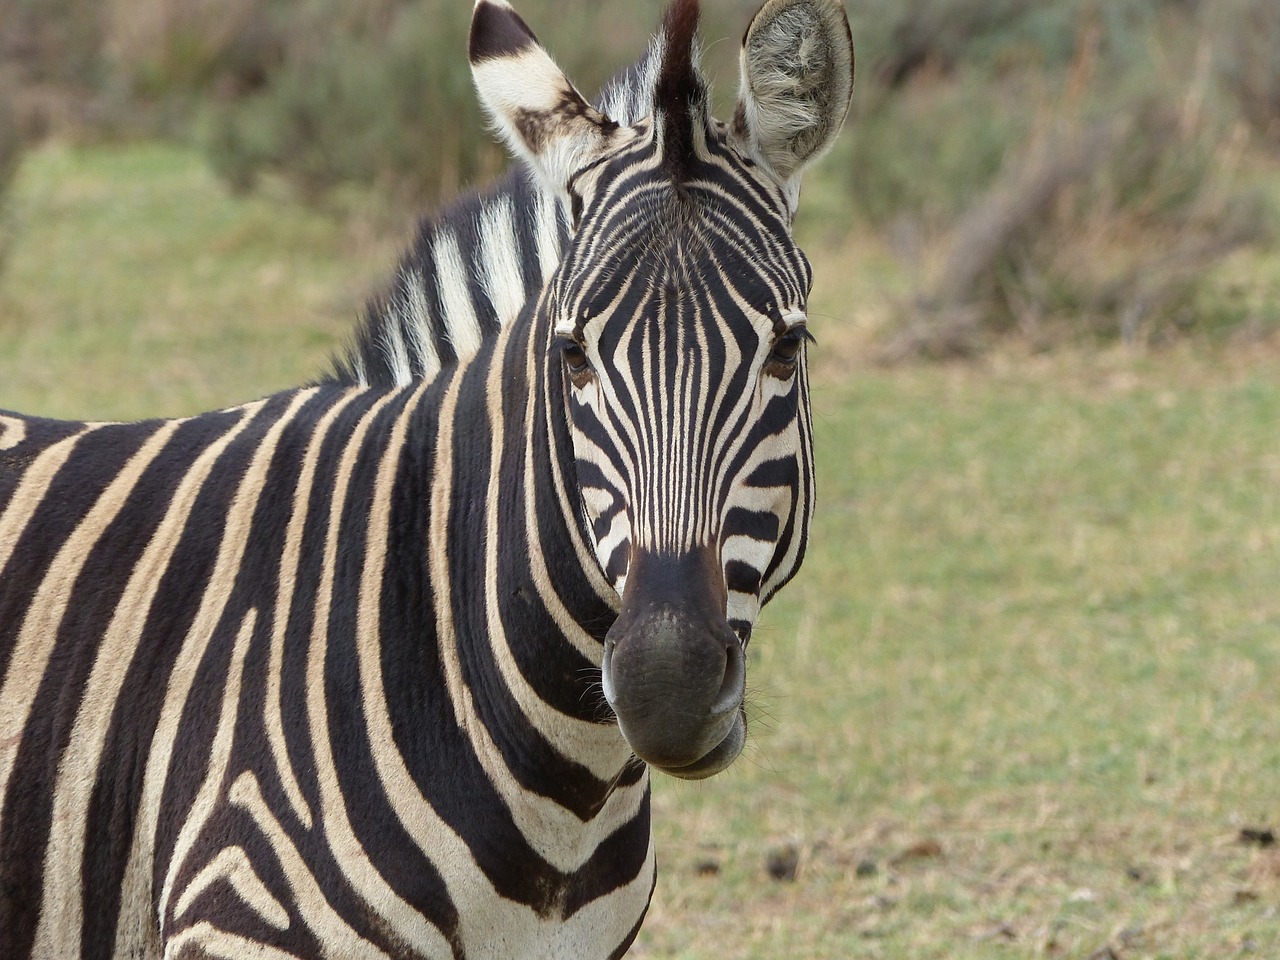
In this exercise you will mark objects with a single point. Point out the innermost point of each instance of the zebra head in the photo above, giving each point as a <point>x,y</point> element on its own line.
<point>678,333</point>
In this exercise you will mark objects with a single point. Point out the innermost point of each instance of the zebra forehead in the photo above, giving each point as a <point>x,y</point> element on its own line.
<point>688,243</point>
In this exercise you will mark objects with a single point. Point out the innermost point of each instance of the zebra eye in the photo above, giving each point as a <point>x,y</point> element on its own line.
<point>575,358</point>
<point>787,349</point>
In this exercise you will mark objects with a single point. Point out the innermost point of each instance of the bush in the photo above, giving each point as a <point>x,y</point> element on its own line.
<point>1085,196</point>
<point>387,103</point>
<point>56,42</point>
<point>1248,53</point>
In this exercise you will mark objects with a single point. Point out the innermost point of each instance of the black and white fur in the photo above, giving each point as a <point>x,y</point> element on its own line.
<point>366,669</point>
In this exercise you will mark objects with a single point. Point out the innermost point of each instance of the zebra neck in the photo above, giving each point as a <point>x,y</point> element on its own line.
<point>517,620</point>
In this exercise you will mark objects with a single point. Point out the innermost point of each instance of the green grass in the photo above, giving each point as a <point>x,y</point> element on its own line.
<point>1021,699</point>
<point>135,286</point>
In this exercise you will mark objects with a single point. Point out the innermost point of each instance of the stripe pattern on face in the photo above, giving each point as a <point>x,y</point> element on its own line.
<point>689,429</point>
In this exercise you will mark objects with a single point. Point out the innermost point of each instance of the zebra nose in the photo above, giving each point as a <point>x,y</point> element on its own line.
<point>676,687</point>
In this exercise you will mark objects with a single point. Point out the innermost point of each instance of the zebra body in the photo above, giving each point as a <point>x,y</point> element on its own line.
<point>289,624</point>
<point>365,670</point>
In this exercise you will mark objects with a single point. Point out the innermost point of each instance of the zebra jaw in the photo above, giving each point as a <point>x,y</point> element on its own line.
<point>674,671</point>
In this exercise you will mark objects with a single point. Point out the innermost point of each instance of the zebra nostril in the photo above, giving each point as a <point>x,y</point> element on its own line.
<point>734,684</point>
<point>606,671</point>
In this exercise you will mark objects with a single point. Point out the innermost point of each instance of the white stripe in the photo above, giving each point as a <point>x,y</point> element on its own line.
<point>500,275</point>
<point>395,351</point>
<point>462,329</point>
<point>547,225</point>
<point>211,942</point>
<point>12,432</point>
<point>419,322</point>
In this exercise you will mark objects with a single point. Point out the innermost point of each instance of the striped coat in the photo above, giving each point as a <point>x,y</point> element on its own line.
<point>361,669</point>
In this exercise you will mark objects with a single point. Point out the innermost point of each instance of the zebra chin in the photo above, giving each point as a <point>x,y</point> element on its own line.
<point>719,758</point>
<point>674,670</point>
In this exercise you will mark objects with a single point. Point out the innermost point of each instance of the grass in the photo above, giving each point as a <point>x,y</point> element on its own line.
<point>1026,681</point>
<point>1020,702</point>
<point>136,286</point>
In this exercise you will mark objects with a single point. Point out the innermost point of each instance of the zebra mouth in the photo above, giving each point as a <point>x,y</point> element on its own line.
<point>674,671</point>
<point>720,757</point>
<point>686,727</point>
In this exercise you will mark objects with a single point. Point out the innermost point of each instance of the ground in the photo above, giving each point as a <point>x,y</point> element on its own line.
<point>1020,702</point>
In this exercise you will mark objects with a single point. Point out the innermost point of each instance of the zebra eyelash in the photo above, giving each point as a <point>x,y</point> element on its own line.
<point>785,352</point>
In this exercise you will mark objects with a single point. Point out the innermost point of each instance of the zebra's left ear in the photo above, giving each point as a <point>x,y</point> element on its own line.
<point>542,118</point>
<point>797,80</point>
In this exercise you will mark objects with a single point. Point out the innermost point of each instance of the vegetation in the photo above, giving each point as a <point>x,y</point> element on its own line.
<point>1020,701</point>
<point>1053,172</point>
<point>136,286</point>
<point>1060,171</point>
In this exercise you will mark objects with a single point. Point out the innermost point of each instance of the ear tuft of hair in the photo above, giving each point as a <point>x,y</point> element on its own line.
<point>680,95</point>
<point>797,78</point>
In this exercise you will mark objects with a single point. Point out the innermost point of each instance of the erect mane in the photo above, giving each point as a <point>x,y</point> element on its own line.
<point>680,93</point>
<point>411,329</point>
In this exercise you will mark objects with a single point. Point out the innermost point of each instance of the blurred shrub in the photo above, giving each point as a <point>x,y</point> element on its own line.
<point>1058,173</point>
<point>385,101</point>
<point>50,58</point>
<point>923,152</point>
<point>948,88</point>
<point>1248,48</point>
<point>11,142</point>
<point>382,93</point>
<point>164,49</point>
<point>53,41</point>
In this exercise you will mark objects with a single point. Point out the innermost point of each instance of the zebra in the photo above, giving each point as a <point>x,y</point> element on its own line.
<point>382,670</point>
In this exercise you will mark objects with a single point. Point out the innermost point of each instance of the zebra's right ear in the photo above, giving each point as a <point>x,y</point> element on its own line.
<point>542,118</point>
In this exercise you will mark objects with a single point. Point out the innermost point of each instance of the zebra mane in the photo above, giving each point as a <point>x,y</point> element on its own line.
<point>473,267</point>
<point>680,94</point>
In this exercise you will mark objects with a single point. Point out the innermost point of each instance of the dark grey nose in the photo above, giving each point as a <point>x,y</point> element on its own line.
<point>674,671</point>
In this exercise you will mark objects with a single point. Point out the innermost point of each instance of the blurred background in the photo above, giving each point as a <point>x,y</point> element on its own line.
<point>1021,701</point>
<point>1050,170</point>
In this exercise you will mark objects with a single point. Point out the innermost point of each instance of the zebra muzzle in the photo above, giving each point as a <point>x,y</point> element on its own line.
<point>674,671</point>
